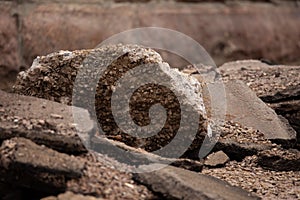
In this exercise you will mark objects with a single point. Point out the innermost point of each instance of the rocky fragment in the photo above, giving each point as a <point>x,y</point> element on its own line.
<point>30,167</point>
<point>27,164</point>
<point>32,118</point>
<point>216,159</point>
<point>137,157</point>
<point>245,108</point>
<point>100,72</point>
<point>279,159</point>
<point>176,183</point>
<point>239,141</point>
<point>276,85</point>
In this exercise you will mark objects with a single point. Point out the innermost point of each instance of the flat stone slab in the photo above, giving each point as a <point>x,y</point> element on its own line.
<point>136,156</point>
<point>42,121</point>
<point>277,85</point>
<point>24,163</point>
<point>245,107</point>
<point>176,183</point>
<point>279,159</point>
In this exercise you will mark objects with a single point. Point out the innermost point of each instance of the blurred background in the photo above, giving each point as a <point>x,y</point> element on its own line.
<point>229,30</point>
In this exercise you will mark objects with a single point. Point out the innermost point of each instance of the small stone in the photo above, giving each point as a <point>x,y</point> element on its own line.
<point>129,185</point>
<point>216,159</point>
<point>56,116</point>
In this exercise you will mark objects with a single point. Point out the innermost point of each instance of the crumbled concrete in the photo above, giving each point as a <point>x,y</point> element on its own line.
<point>176,183</point>
<point>216,159</point>
<point>53,77</point>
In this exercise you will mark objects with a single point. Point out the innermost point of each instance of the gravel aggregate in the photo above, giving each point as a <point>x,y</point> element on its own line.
<point>267,184</point>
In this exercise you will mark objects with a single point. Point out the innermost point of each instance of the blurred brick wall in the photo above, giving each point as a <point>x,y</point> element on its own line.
<point>228,30</point>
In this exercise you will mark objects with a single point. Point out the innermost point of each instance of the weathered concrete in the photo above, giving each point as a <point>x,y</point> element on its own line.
<point>176,183</point>
<point>279,159</point>
<point>44,122</point>
<point>24,163</point>
<point>54,77</point>
<point>277,85</point>
<point>133,156</point>
<point>244,107</point>
<point>216,159</point>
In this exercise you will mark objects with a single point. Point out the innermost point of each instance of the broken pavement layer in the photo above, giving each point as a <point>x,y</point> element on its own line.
<point>32,162</point>
<point>244,107</point>
<point>176,183</point>
<point>137,157</point>
<point>42,121</point>
<point>276,85</point>
<point>280,159</point>
<point>38,166</point>
<point>239,141</point>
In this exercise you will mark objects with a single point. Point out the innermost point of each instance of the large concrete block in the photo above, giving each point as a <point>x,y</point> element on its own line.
<point>81,78</point>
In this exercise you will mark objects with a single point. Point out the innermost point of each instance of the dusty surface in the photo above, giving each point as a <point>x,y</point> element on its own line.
<point>44,122</point>
<point>71,196</point>
<point>101,180</point>
<point>268,184</point>
<point>265,80</point>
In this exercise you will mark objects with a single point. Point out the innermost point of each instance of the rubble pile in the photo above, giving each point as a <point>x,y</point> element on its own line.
<point>44,155</point>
